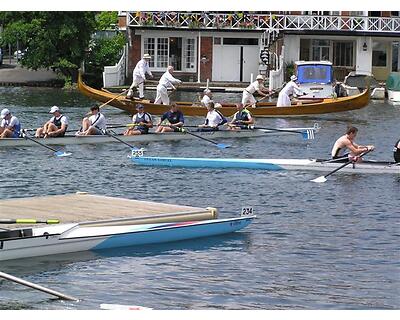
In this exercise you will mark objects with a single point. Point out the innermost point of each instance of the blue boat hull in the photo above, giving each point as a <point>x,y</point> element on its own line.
<point>205,163</point>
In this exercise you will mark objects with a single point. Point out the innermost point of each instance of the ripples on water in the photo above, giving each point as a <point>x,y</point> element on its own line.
<point>312,246</point>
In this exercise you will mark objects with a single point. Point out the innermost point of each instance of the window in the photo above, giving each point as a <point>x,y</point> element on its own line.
<point>241,41</point>
<point>320,50</point>
<point>176,51</point>
<point>343,52</point>
<point>190,56</point>
<point>162,53</point>
<point>379,54</point>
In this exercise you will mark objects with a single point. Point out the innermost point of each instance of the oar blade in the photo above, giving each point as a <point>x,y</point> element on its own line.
<point>60,153</point>
<point>320,179</point>
<point>223,145</point>
<point>308,134</point>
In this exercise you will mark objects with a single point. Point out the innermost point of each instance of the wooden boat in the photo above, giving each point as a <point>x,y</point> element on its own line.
<point>264,109</point>
<point>75,237</point>
<point>270,164</point>
<point>155,137</point>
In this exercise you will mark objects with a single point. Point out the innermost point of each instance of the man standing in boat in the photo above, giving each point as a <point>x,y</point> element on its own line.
<point>213,120</point>
<point>93,125</point>
<point>139,76</point>
<point>346,143</point>
<point>142,122</point>
<point>256,86</point>
<point>10,126</point>
<point>166,81</point>
<point>55,127</point>
<point>289,89</point>
<point>175,119</point>
<point>207,97</point>
<point>241,119</point>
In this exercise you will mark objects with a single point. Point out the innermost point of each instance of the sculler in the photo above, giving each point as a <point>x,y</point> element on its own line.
<point>94,125</point>
<point>10,127</point>
<point>396,152</point>
<point>55,127</point>
<point>213,120</point>
<point>142,120</point>
<point>174,117</point>
<point>345,147</point>
<point>241,119</point>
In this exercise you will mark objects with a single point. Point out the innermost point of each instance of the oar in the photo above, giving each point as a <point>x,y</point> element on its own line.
<point>307,134</point>
<point>219,145</point>
<point>58,153</point>
<point>28,221</point>
<point>36,287</point>
<point>122,141</point>
<point>112,99</point>
<point>321,179</point>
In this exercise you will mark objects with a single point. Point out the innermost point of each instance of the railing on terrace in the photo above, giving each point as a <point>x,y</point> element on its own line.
<point>243,21</point>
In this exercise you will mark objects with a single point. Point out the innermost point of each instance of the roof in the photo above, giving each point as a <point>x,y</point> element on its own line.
<point>302,62</point>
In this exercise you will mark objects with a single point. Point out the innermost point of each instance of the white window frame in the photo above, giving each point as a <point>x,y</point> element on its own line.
<point>155,61</point>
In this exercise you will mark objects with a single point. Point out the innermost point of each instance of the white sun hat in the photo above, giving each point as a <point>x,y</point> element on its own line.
<point>4,113</point>
<point>54,109</point>
<point>293,78</point>
<point>259,77</point>
<point>146,56</point>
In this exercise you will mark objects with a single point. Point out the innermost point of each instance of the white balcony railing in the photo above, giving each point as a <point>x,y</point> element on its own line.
<point>251,21</point>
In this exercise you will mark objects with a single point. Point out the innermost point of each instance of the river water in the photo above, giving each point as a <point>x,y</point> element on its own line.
<point>313,246</point>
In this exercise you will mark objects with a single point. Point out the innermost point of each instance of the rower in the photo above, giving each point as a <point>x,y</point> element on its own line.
<point>55,127</point>
<point>213,119</point>
<point>396,152</point>
<point>258,86</point>
<point>142,122</point>
<point>241,119</point>
<point>289,89</point>
<point>93,125</point>
<point>174,117</point>
<point>10,127</point>
<point>207,97</point>
<point>166,81</point>
<point>347,142</point>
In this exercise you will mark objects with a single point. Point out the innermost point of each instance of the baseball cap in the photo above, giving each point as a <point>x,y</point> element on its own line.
<point>4,112</point>
<point>293,78</point>
<point>259,77</point>
<point>54,109</point>
<point>139,106</point>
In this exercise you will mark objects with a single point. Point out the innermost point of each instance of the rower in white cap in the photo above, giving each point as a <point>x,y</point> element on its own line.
<point>139,76</point>
<point>55,127</point>
<point>10,126</point>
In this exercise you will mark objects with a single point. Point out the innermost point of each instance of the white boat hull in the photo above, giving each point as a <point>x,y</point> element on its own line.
<point>70,238</point>
<point>152,137</point>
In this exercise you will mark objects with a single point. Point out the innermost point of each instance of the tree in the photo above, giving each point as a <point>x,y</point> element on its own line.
<point>56,40</point>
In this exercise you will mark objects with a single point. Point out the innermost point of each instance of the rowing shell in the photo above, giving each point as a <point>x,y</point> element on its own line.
<point>67,238</point>
<point>151,137</point>
<point>269,164</point>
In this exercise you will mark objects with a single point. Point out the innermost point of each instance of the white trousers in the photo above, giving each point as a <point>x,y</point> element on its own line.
<point>283,100</point>
<point>248,98</point>
<point>139,83</point>
<point>162,95</point>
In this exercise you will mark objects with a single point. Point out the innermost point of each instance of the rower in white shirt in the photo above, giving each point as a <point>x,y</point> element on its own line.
<point>213,120</point>
<point>93,125</point>
<point>166,81</point>
<point>256,86</point>
<point>139,76</point>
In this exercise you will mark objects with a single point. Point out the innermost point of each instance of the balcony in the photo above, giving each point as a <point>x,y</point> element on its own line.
<point>251,21</point>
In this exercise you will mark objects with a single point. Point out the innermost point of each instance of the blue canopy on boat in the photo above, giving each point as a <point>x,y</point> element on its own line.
<point>314,73</point>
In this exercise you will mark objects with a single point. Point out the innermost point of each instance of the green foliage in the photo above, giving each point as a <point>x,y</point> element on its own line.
<point>106,20</point>
<point>55,40</point>
<point>289,71</point>
<point>104,52</point>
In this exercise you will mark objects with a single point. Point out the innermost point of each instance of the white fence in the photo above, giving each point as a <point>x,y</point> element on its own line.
<point>277,77</point>
<point>115,75</point>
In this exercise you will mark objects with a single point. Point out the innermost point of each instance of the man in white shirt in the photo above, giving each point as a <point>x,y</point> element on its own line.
<point>139,76</point>
<point>10,126</point>
<point>213,120</point>
<point>166,81</point>
<point>55,127</point>
<point>256,86</point>
<point>289,89</point>
<point>207,97</point>
<point>93,125</point>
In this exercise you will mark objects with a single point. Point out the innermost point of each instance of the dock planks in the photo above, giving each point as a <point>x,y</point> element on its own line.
<point>83,207</point>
